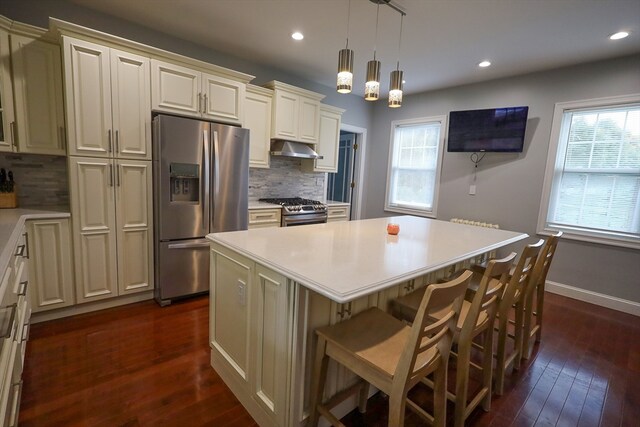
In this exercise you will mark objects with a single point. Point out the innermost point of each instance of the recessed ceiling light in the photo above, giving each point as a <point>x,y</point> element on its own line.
<point>618,36</point>
<point>297,36</point>
<point>484,64</point>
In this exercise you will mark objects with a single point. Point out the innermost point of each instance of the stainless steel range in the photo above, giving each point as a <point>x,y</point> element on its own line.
<point>299,211</point>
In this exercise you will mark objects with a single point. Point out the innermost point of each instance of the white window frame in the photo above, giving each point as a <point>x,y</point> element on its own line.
<point>576,233</point>
<point>432,213</point>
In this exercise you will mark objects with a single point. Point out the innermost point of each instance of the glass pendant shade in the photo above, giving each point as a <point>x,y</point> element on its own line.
<point>372,87</point>
<point>345,71</point>
<point>395,89</point>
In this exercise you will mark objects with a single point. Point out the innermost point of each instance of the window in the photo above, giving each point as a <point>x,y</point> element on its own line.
<point>592,183</point>
<point>414,165</point>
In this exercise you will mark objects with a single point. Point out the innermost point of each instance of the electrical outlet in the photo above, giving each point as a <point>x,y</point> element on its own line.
<point>242,293</point>
<point>472,190</point>
<point>318,182</point>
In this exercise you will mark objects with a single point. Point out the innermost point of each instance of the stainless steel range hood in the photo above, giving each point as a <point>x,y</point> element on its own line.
<point>280,147</point>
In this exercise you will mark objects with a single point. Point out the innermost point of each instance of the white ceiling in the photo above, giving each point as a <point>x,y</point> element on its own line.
<point>442,42</point>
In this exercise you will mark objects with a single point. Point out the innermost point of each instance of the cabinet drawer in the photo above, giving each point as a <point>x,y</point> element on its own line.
<point>338,213</point>
<point>264,218</point>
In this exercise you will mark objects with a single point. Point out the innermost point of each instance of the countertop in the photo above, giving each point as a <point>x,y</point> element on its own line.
<point>333,203</point>
<point>254,204</point>
<point>11,222</point>
<point>350,259</point>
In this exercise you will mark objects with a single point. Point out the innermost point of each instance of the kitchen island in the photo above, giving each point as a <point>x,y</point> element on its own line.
<point>270,288</point>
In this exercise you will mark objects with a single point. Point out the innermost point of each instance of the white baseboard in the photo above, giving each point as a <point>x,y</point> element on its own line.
<point>614,303</point>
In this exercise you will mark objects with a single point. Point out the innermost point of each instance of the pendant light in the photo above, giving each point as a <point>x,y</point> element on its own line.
<point>372,86</point>
<point>345,63</point>
<point>395,83</point>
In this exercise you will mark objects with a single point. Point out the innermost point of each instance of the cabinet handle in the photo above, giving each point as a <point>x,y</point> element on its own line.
<point>110,175</point>
<point>199,102</point>
<point>204,106</point>
<point>26,244</point>
<point>14,139</point>
<point>264,216</point>
<point>17,396</point>
<point>109,140</point>
<point>62,137</point>
<point>117,141</point>
<point>23,291</point>
<point>20,250</point>
<point>118,175</point>
<point>25,332</point>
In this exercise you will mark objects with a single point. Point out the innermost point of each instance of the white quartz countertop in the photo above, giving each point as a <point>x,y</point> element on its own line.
<point>350,259</point>
<point>334,203</point>
<point>11,222</point>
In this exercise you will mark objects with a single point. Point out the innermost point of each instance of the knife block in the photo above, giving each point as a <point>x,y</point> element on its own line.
<point>9,200</point>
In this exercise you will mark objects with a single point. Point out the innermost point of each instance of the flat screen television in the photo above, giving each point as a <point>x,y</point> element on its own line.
<point>491,130</point>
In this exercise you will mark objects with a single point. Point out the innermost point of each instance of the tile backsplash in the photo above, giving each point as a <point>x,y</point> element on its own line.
<point>40,180</point>
<point>286,179</point>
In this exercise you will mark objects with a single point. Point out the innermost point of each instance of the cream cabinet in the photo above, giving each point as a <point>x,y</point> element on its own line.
<point>265,218</point>
<point>254,351</point>
<point>296,113</point>
<point>7,116</point>
<point>257,118</point>
<point>328,142</point>
<point>112,209</point>
<point>108,101</point>
<point>37,85</point>
<point>338,212</point>
<point>183,90</point>
<point>51,266</point>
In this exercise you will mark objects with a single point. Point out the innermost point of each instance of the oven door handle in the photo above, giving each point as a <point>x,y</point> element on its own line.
<point>319,219</point>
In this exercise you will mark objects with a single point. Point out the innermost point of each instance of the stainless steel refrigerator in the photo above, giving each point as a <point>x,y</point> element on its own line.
<point>201,182</point>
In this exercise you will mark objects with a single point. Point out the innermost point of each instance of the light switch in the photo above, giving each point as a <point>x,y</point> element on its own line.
<point>242,294</point>
<point>472,190</point>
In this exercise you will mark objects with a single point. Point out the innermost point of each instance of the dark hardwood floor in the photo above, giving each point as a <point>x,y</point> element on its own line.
<point>145,365</point>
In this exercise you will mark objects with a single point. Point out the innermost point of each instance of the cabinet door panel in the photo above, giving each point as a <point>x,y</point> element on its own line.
<point>224,98</point>
<point>88,94</point>
<point>6,96</point>
<point>50,272</point>
<point>175,89</point>
<point>130,83</point>
<point>309,120</point>
<point>93,210</point>
<point>37,73</point>
<point>328,143</point>
<point>258,121</point>
<point>285,118</point>
<point>133,207</point>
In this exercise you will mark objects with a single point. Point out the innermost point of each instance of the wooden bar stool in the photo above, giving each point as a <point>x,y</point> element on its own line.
<point>392,356</point>
<point>513,298</point>
<point>476,316</point>
<point>534,300</point>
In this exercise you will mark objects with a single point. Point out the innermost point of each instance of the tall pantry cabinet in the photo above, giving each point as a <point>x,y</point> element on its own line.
<point>108,106</point>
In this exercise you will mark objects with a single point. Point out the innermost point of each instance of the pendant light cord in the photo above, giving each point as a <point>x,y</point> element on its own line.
<point>375,40</point>
<point>399,41</point>
<point>348,21</point>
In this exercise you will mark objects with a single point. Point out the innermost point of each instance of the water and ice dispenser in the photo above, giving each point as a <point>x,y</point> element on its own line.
<point>185,182</point>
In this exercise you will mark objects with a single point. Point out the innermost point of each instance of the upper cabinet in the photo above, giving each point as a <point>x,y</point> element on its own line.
<point>188,91</point>
<point>328,142</point>
<point>257,118</point>
<point>296,113</point>
<point>31,102</point>
<point>108,101</point>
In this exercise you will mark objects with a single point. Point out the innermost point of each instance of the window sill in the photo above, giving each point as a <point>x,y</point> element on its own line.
<point>409,211</point>
<point>574,234</point>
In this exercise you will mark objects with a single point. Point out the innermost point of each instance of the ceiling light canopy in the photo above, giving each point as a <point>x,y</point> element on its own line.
<point>297,36</point>
<point>484,64</point>
<point>619,35</point>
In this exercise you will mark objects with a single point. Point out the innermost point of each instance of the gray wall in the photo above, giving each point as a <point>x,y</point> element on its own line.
<point>509,186</point>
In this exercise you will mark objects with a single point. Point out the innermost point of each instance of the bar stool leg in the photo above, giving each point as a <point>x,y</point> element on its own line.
<point>462,383</point>
<point>318,379</point>
<point>440,396</point>
<point>501,349</point>
<point>519,334</point>
<point>362,398</point>
<point>487,367</point>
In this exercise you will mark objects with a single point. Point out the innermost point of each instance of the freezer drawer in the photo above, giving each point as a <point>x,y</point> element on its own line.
<point>182,268</point>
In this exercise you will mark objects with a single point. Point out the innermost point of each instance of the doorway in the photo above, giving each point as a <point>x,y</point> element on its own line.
<point>344,185</point>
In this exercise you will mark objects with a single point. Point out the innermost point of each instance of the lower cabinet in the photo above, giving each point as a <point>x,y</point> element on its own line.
<point>15,315</point>
<point>51,268</point>
<point>264,218</point>
<point>249,331</point>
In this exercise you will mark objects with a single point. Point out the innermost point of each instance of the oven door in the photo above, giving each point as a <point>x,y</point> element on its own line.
<point>304,219</point>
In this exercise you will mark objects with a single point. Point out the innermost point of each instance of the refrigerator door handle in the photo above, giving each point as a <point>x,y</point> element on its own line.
<point>188,245</point>
<point>207,179</point>
<point>216,173</point>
